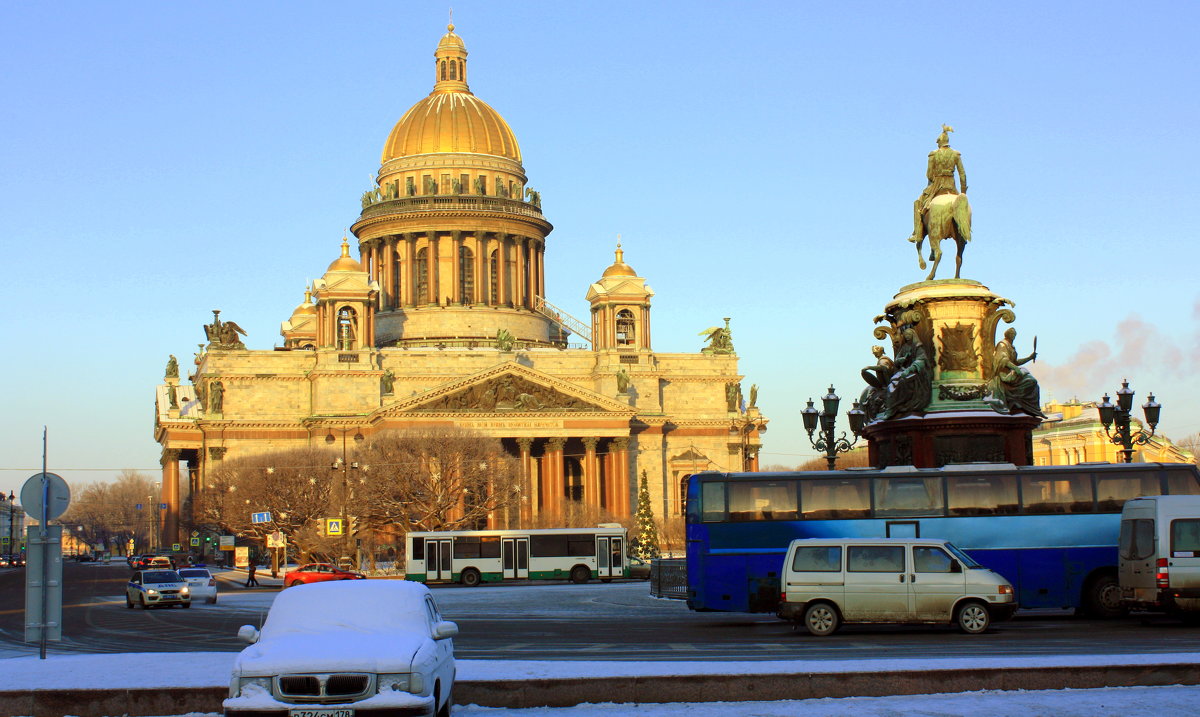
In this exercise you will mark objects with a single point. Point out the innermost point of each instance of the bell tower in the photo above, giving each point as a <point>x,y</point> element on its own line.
<point>346,300</point>
<point>620,308</point>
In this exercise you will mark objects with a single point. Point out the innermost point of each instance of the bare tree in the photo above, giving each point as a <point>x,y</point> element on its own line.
<point>856,458</point>
<point>432,479</point>
<point>107,513</point>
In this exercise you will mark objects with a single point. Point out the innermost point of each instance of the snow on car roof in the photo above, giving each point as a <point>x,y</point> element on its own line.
<point>364,605</point>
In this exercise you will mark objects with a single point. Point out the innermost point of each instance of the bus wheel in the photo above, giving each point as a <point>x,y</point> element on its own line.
<point>821,619</point>
<point>580,574</point>
<point>1102,597</point>
<point>972,618</point>
<point>470,577</point>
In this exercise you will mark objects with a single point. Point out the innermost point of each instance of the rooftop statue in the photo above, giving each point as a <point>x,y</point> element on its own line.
<point>942,210</point>
<point>720,340</point>
<point>223,335</point>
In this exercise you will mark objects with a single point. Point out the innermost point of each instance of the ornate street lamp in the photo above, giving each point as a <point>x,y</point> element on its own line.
<point>1119,414</point>
<point>358,438</point>
<point>827,440</point>
<point>12,509</point>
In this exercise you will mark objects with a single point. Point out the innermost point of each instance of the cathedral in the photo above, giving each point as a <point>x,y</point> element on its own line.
<point>442,321</point>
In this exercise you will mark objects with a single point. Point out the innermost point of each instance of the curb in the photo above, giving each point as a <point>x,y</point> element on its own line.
<point>566,692</point>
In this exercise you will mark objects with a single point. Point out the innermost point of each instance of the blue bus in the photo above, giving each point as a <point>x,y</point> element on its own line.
<point>1050,530</point>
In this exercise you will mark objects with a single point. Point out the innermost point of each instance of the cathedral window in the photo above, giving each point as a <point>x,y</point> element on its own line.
<point>410,187</point>
<point>427,185</point>
<point>443,69</point>
<point>626,325</point>
<point>454,70</point>
<point>493,277</point>
<point>481,185</point>
<point>466,275</point>
<point>422,276</point>
<point>445,184</point>
<point>346,329</point>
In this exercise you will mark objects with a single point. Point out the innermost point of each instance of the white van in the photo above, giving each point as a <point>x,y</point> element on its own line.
<point>1159,554</point>
<point>827,582</point>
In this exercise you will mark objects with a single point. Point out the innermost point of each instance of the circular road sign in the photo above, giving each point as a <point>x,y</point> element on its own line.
<point>58,494</point>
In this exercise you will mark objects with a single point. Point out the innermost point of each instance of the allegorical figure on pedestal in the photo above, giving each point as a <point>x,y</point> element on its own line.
<point>911,386</point>
<point>878,375</point>
<point>1013,388</point>
<point>942,210</point>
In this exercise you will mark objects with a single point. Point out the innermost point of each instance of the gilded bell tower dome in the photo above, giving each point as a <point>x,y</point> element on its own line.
<point>450,230</point>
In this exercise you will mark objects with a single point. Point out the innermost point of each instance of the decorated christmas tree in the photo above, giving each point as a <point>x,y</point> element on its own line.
<point>645,541</point>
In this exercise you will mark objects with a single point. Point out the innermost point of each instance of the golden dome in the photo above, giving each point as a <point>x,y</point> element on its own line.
<point>307,307</point>
<point>619,267</point>
<point>344,262</point>
<point>451,119</point>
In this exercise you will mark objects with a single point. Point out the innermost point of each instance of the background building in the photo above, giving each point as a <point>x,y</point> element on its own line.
<point>1072,433</point>
<point>443,321</point>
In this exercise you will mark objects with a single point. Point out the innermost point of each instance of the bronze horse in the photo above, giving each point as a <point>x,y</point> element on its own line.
<point>947,216</point>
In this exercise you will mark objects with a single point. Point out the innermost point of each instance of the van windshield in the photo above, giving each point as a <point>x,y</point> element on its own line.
<point>966,560</point>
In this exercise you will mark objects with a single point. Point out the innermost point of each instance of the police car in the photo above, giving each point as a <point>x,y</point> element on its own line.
<point>152,588</point>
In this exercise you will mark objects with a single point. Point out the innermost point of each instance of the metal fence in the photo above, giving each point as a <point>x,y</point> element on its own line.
<point>668,578</point>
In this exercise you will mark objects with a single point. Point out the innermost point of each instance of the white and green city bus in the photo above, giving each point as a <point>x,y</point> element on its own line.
<point>490,556</point>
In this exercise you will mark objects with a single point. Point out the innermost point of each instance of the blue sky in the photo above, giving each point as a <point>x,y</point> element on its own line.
<point>759,160</point>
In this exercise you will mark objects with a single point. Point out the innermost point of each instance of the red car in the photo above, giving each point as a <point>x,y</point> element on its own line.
<point>319,573</point>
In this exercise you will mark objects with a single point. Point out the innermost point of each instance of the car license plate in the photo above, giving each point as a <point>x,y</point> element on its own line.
<point>322,712</point>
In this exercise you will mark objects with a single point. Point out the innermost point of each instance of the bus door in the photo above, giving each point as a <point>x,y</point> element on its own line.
<point>439,563</point>
<point>609,563</point>
<point>515,556</point>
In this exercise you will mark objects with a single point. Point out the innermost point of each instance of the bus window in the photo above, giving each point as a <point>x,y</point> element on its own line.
<point>982,495</point>
<point>838,498</point>
<point>762,500</point>
<point>712,500</point>
<point>466,547</point>
<point>1057,494</point>
<point>581,546</point>
<point>1112,490</point>
<point>547,546</point>
<point>1182,483</point>
<point>489,546</point>
<point>908,496</point>
<point>418,550</point>
<point>1185,538</point>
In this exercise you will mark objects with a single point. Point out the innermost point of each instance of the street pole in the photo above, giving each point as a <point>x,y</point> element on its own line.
<point>345,498</point>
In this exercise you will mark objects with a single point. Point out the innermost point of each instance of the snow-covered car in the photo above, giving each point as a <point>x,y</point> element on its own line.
<point>201,583</point>
<point>154,588</point>
<point>347,648</point>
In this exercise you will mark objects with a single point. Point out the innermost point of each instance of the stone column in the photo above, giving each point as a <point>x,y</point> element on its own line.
<point>753,451</point>
<point>591,473</point>
<point>528,492</point>
<point>504,297</point>
<point>387,269</point>
<point>456,243</point>
<point>485,269</point>
<point>619,505</point>
<point>435,273</point>
<point>552,477</point>
<point>410,286</point>
<point>169,530</point>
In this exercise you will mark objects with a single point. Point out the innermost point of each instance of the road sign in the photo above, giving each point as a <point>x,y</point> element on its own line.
<point>333,526</point>
<point>43,583</point>
<point>226,542</point>
<point>195,533</point>
<point>5,540</point>
<point>195,542</point>
<point>276,540</point>
<point>176,547</point>
<point>137,505</point>
<point>162,506</point>
<point>57,496</point>
<point>260,517</point>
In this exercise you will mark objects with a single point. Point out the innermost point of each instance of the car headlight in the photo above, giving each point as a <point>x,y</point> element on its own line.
<point>1005,590</point>
<point>252,685</point>
<point>183,591</point>
<point>151,592</point>
<point>396,683</point>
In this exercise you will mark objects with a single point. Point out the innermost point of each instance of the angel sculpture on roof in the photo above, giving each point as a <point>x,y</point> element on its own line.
<point>720,340</point>
<point>223,335</point>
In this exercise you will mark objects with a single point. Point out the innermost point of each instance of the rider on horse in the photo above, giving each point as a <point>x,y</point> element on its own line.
<point>940,172</point>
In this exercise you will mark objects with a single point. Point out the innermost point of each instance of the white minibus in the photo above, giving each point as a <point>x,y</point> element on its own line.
<point>1159,561</point>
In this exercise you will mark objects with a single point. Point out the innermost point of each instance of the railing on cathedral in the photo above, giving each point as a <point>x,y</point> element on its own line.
<point>451,202</point>
<point>562,318</point>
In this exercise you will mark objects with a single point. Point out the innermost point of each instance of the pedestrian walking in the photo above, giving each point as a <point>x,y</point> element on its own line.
<point>250,581</point>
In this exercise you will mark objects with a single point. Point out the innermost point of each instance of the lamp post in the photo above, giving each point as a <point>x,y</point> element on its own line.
<point>826,440</point>
<point>1119,414</point>
<point>345,466</point>
<point>12,510</point>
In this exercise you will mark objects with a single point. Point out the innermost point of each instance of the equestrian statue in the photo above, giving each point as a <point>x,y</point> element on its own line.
<point>942,210</point>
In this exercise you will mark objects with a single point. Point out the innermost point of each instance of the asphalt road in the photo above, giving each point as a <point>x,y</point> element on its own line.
<point>561,621</point>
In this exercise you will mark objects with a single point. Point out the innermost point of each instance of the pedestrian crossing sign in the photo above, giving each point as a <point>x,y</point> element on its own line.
<point>195,542</point>
<point>333,526</point>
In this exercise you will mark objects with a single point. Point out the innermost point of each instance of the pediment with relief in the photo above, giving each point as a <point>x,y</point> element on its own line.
<point>511,388</point>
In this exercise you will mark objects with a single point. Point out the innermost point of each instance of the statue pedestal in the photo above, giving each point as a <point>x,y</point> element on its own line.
<point>940,438</point>
<point>955,320</point>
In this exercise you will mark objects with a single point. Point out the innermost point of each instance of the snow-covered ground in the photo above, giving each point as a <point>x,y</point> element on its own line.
<point>213,668</point>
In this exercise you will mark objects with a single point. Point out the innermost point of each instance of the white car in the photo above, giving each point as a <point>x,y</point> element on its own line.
<point>201,583</point>
<point>347,648</point>
<point>154,588</point>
